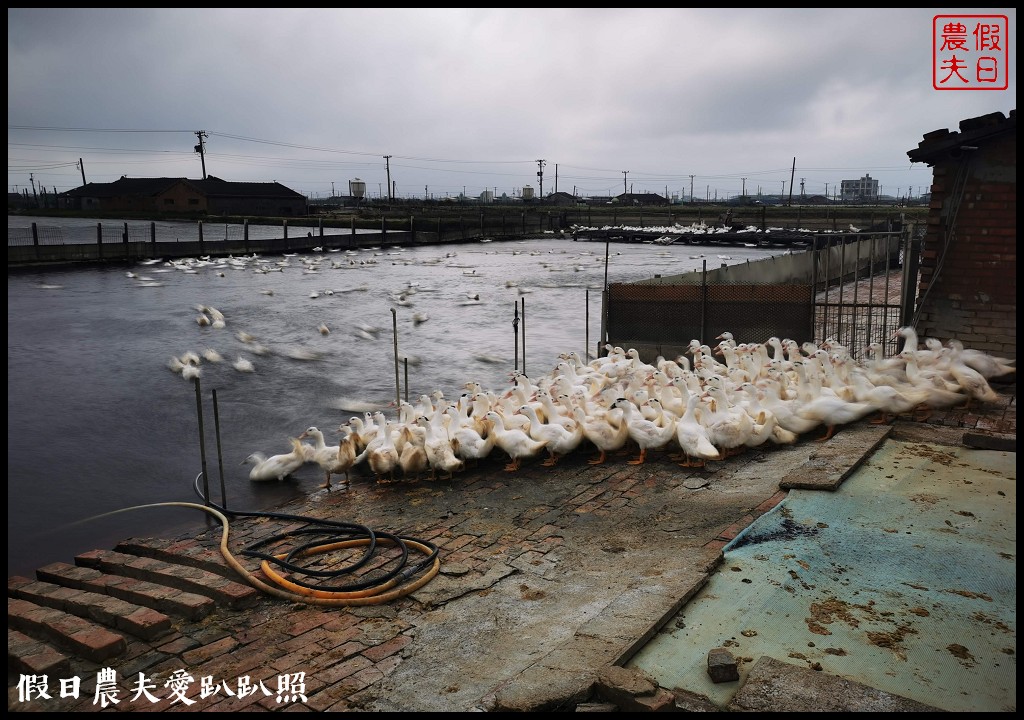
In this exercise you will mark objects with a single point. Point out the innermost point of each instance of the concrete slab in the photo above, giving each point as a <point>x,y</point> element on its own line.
<point>775,686</point>
<point>904,580</point>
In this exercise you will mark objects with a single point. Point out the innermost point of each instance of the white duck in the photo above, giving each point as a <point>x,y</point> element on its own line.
<point>243,365</point>
<point>440,455</point>
<point>472,440</point>
<point>766,423</point>
<point>832,410</point>
<point>693,438</point>
<point>413,459</point>
<point>729,426</point>
<point>889,400</point>
<point>974,384</point>
<point>191,370</point>
<point>602,432</point>
<point>990,366</point>
<point>382,455</point>
<point>647,434</point>
<point>347,457</point>
<point>276,467</point>
<point>514,441</point>
<point>558,439</point>
<point>321,453</point>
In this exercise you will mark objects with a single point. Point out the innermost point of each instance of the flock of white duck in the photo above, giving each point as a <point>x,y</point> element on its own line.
<point>708,404</point>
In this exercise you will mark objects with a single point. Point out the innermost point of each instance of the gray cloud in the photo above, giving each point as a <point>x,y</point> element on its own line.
<point>473,98</point>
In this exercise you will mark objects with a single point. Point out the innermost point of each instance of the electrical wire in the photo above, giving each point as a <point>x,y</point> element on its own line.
<point>956,198</point>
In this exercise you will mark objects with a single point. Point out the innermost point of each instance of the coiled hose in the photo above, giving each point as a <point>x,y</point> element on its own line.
<point>387,580</point>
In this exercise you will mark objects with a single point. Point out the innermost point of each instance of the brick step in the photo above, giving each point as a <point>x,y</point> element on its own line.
<point>222,590</point>
<point>142,622</point>
<point>26,655</point>
<point>82,637</point>
<point>181,552</point>
<point>168,600</point>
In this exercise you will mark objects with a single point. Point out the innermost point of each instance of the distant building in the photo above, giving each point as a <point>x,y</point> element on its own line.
<point>863,190</point>
<point>562,199</point>
<point>211,196</point>
<point>640,199</point>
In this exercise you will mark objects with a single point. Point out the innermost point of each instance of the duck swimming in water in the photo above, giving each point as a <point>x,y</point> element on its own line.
<point>276,467</point>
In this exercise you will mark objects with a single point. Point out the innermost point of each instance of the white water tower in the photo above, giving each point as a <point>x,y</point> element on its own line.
<point>527,192</point>
<point>357,189</point>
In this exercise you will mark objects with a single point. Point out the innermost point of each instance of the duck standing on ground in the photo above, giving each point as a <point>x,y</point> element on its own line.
<point>413,459</point>
<point>647,434</point>
<point>692,437</point>
<point>381,453</point>
<point>514,441</point>
<point>974,384</point>
<point>559,440</point>
<point>347,457</point>
<point>440,455</point>
<point>324,455</point>
<point>602,432</point>
<point>472,441</point>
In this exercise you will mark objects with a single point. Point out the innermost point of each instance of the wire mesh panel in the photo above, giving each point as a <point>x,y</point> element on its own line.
<point>754,313</point>
<point>23,236</point>
<point>663,319</point>
<point>856,326</point>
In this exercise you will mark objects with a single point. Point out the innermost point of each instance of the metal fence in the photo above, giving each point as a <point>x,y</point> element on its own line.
<point>855,289</point>
<point>867,299</point>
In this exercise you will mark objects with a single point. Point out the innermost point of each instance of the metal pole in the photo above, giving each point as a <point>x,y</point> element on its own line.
<point>586,324</point>
<point>606,242</point>
<point>405,362</point>
<point>202,443</point>
<point>398,388</point>
<point>703,300</point>
<point>523,300</point>
<point>220,456</point>
<point>515,332</point>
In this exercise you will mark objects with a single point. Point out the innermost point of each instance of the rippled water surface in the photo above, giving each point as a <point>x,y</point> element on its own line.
<point>98,422</point>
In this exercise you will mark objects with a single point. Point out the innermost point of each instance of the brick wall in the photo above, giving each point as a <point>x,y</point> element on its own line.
<point>968,286</point>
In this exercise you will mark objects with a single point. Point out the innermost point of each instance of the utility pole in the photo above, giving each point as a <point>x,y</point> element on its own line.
<point>744,194</point>
<point>691,188</point>
<point>540,177</point>
<point>802,187</point>
<point>201,149</point>
<point>332,188</point>
<point>387,162</point>
<point>556,177</point>
<point>35,198</point>
<point>791,174</point>
<point>81,166</point>
<point>624,174</point>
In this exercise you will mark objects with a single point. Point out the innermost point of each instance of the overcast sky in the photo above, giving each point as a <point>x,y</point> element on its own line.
<point>642,100</point>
